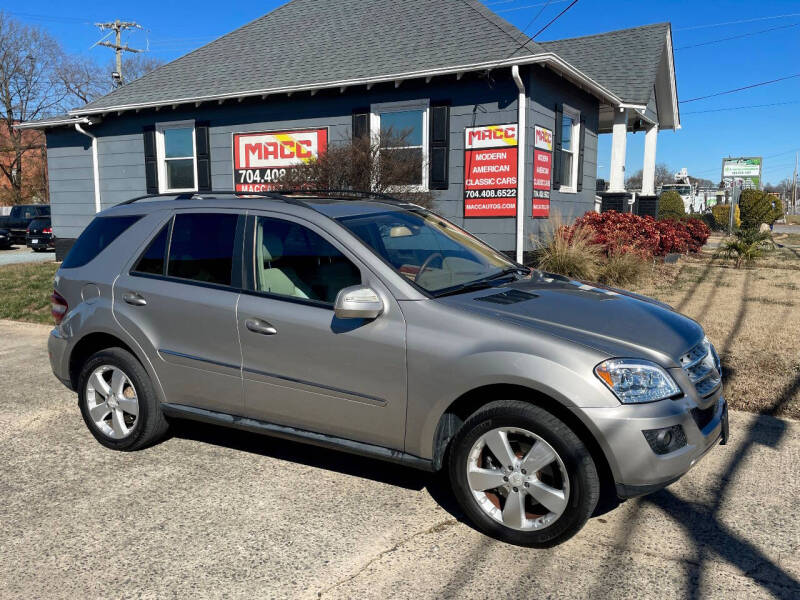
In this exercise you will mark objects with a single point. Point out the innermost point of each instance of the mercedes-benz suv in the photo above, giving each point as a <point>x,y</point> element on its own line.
<point>373,326</point>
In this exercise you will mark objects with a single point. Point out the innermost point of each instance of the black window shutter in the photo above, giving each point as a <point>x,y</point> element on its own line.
<point>360,123</point>
<point>439,149</point>
<point>582,142</point>
<point>557,139</point>
<point>150,159</point>
<point>203,146</point>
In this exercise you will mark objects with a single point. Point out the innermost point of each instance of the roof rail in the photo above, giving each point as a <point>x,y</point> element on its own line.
<point>335,193</point>
<point>282,194</point>
<point>190,195</point>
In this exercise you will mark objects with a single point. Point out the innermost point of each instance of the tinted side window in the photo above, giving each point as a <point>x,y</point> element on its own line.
<point>292,260</point>
<point>152,261</point>
<point>96,238</point>
<point>202,247</point>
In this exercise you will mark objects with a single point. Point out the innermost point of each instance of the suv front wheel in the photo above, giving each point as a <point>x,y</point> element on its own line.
<point>117,401</point>
<point>522,475</point>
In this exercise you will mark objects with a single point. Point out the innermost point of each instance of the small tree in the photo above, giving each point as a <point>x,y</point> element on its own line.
<point>670,206</point>
<point>756,208</point>
<point>365,164</point>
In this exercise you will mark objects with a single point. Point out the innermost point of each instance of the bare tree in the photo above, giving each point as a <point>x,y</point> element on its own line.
<point>387,166</point>
<point>663,175</point>
<point>30,89</point>
<point>86,80</point>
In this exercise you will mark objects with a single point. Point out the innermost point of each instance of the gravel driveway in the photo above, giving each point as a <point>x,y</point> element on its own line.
<point>213,513</point>
<point>22,254</point>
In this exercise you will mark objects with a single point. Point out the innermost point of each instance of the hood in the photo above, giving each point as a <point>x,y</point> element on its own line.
<point>612,321</point>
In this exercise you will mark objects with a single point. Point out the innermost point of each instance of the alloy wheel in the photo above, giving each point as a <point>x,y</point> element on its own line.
<point>112,401</point>
<point>517,478</point>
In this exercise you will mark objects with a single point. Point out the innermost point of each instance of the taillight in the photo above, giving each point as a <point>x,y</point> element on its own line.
<point>47,230</point>
<point>58,307</point>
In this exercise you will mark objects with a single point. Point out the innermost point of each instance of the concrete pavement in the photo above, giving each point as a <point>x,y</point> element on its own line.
<point>22,254</point>
<point>214,513</point>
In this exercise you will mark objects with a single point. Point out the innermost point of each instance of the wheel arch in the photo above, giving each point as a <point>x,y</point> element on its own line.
<point>90,344</point>
<point>468,403</point>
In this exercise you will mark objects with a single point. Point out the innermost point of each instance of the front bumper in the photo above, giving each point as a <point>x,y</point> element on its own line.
<point>637,468</point>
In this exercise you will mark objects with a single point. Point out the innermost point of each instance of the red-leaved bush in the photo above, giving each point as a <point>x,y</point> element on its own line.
<point>626,232</point>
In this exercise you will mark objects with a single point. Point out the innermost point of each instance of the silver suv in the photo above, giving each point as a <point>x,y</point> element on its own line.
<point>364,324</point>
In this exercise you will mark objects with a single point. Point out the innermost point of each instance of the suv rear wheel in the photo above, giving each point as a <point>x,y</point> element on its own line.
<point>522,475</point>
<point>118,402</point>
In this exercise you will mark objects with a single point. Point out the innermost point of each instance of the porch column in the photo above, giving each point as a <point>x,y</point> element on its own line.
<point>619,132</point>
<point>649,169</point>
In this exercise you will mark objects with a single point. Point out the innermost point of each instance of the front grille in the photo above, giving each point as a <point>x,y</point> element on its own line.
<point>702,368</point>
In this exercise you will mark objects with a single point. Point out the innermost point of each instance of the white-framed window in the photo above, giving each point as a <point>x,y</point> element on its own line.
<point>402,127</point>
<point>176,149</point>
<point>570,149</point>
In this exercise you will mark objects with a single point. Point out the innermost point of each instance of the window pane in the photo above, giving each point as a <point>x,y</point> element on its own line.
<point>401,166</point>
<point>178,142</point>
<point>152,261</point>
<point>292,260</point>
<point>401,128</point>
<point>202,247</point>
<point>96,238</point>
<point>566,132</point>
<point>566,169</point>
<point>180,174</point>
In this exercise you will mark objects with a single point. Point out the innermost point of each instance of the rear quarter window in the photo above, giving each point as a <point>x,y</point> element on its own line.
<point>96,238</point>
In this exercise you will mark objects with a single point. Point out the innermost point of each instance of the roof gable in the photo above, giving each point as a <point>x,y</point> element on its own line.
<point>317,42</point>
<point>625,62</point>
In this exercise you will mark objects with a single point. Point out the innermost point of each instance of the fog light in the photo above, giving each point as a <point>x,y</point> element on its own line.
<point>666,439</point>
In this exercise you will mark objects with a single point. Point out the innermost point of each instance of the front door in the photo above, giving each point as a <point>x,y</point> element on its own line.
<point>179,302</point>
<point>303,367</point>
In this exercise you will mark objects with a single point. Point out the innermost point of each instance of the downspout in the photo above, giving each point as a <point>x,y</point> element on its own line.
<point>95,167</point>
<point>522,107</point>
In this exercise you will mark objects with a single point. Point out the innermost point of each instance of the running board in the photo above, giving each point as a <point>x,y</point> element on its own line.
<point>297,435</point>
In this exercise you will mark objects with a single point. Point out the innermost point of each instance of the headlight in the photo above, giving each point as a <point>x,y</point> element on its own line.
<point>714,354</point>
<point>634,381</point>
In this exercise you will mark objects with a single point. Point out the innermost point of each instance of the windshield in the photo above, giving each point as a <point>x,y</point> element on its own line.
<point>434,254</point>
<point>683,190</point>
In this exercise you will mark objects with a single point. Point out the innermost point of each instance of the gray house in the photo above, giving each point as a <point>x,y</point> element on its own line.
<point>506,128</point>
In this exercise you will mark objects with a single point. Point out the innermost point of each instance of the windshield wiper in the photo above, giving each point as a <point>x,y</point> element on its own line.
<point>478,284</point>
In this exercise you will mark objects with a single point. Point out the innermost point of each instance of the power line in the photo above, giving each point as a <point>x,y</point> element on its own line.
<point>505,10</point>
<point>738,22</point>
<point>713,110</point>
<point>739,89</point>
<point>538,14</point>
<point>736,37</point>
<point>553,20</point>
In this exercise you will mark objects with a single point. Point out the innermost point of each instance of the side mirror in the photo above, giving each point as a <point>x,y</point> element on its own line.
<point>358,302</point>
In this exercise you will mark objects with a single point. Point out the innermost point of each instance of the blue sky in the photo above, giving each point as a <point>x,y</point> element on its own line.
<point>174,28</point>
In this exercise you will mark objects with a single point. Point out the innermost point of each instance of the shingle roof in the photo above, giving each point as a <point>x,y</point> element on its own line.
<point>313,42</point>
<point>625,62</point>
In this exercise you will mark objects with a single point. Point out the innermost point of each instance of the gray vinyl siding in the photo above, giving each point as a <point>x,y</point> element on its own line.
<point>475,101</point>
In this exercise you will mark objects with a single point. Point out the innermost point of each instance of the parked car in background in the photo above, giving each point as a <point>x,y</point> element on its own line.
<point>40,235</point>
<point>376,327</point>
<point>5,238</point>
<point>21,216</point>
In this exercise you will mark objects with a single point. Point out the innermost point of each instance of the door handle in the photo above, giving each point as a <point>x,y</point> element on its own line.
<point>260,326</point>
<point>134,299</point>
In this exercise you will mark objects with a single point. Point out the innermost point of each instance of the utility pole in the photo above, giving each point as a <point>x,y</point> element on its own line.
<point>794,186</point>
<point>118,27</point>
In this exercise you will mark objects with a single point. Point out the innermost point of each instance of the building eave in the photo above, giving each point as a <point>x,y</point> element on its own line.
<point>547,59</point>
<point>47,123</point>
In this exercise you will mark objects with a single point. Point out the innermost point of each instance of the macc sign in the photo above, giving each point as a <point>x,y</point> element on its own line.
<point>261,160</point>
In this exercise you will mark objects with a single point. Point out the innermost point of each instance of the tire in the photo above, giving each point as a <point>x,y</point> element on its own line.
<point>147,427</point>
<point>572,475</point>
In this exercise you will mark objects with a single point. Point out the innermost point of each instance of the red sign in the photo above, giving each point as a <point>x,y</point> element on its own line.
<point>542,175</point>
<point>490,171</point>
<point>261,160</point>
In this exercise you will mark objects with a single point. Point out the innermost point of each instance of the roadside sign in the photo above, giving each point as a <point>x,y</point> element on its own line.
<point>743,172</point>
<point>490,171</point>
<point>542,173</point>
<point>262,160</point>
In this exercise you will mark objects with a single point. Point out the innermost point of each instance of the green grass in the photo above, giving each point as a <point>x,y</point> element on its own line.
<point>25,292</point>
